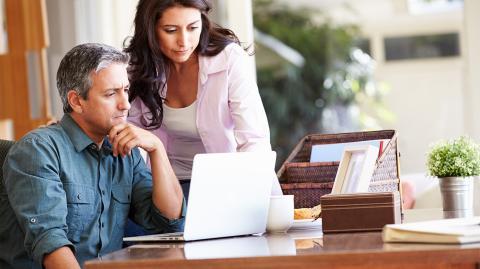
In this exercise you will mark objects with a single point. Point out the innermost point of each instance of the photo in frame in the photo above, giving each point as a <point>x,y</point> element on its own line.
<point>355,169</point>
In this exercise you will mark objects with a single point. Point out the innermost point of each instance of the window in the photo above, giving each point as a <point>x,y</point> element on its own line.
<point>364,45</point>
<point>424,46</point>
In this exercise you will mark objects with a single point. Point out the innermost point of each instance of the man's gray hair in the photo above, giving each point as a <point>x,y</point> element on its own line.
<point>76,67</point>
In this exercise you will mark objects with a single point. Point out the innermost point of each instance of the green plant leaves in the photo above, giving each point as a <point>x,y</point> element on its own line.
<point>454,158</point>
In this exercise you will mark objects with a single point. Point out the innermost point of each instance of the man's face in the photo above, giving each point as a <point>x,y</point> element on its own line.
<point>107,102</point>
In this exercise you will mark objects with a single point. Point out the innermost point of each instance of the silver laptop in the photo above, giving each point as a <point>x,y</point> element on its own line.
<point>229,196</point>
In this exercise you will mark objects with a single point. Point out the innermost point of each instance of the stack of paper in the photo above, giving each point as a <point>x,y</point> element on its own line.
<point>452,231</point>
<point>333,152</point>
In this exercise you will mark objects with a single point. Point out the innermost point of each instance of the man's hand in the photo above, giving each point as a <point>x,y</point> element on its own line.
<point>124,137</point>
<point>61,258</point>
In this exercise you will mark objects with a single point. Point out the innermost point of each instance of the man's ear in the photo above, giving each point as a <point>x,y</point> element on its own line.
<point>73,99</point>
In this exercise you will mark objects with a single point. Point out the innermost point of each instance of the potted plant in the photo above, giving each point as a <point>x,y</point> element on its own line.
<point>455,163</point>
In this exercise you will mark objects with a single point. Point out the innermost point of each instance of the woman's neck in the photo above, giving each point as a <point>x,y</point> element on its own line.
<point>185,67</point>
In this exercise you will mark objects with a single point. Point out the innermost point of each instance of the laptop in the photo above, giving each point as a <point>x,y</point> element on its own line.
<point>229,196</point>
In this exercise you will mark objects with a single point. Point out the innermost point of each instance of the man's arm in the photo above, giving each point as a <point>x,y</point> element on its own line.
<point>61,258</point>
<point>36,195</point>
<point>167,194</point>
<point>170,200</point>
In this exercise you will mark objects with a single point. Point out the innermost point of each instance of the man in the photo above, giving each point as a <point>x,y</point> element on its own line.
<point>69,188</point>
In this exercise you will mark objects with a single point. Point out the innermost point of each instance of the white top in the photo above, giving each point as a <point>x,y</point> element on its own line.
<point>184,138</point>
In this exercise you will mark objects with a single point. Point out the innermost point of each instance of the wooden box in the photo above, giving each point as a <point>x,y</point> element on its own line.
<point>359,212</point>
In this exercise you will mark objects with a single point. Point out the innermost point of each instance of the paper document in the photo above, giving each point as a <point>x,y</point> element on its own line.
<point>451,231</point>
<point>333,152</point>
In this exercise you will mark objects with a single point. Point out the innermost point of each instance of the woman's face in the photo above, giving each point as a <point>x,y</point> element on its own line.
<point>178,32</point>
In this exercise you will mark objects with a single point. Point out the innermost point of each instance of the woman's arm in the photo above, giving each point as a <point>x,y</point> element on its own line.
<point>250,121</point>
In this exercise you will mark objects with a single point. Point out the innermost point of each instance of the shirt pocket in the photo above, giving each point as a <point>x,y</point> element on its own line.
<point>121,203</point>
<point>80,204</point>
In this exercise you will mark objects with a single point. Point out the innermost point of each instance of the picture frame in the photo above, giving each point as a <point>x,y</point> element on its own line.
<point>355,169</point>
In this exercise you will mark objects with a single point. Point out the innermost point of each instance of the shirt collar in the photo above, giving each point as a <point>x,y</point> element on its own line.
<point>79,138</point>
<point>211,65</point>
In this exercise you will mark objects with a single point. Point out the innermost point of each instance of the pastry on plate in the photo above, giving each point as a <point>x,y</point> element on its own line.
<point>308,213</point>
<point>302,213</point>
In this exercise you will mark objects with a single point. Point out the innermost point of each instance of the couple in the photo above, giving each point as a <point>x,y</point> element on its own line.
<point>69,188</point>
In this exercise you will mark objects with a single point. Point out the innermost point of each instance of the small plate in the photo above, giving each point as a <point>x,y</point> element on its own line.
<point>301,224</point>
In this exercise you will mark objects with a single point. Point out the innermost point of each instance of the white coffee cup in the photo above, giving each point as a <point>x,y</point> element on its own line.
<point>280,213</point>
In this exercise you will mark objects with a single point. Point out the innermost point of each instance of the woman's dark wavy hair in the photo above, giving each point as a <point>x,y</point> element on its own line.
<point>147,63</point>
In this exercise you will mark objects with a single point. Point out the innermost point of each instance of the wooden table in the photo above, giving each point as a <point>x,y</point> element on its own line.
<point>300,249</point>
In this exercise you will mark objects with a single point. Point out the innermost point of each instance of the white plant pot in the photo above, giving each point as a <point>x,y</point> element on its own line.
<point>457,196</point>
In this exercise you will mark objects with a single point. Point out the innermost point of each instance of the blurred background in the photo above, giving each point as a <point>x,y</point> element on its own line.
<point>322,66</point>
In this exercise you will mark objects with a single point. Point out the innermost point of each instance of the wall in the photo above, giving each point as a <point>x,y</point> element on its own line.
<point>426,95</point>
<point>472,67</point>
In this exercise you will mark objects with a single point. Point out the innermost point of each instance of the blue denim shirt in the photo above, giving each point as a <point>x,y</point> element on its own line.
<point>60,190</point>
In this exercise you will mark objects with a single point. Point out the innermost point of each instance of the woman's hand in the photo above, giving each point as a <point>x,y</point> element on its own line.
<point>51,121</point>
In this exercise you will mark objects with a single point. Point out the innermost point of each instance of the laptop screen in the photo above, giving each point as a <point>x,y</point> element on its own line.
<point>229,194</point>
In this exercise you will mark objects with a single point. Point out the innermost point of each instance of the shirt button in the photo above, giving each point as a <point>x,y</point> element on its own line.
<point>79,197</point>
<point>103,224</point>
<point>33,220</point>
<point>103,192</point>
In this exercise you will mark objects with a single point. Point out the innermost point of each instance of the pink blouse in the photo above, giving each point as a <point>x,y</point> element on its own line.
<point>230,114</point>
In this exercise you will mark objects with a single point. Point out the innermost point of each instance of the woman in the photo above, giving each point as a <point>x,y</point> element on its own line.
<point>190,84</point>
